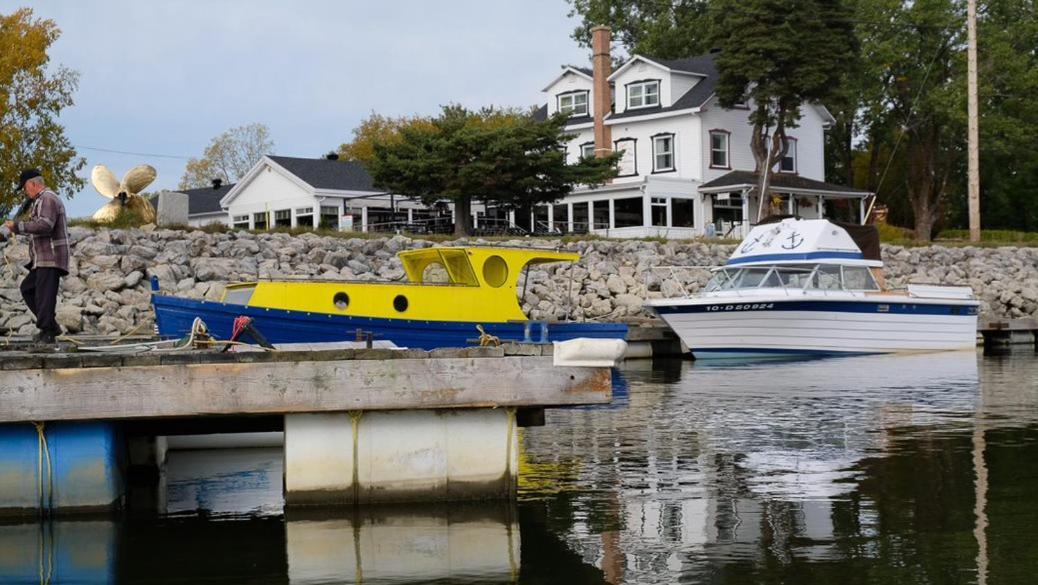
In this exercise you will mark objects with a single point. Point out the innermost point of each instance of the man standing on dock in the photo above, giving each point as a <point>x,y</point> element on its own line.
<point>48,252</point>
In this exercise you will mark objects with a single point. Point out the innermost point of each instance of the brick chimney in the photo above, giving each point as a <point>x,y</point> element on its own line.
<point>602,65</point>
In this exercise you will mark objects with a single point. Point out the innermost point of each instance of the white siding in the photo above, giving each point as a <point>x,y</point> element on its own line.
<point>680,84</point>
<point>641,71</point>
<point>271,191</point>
<point>687,145</point>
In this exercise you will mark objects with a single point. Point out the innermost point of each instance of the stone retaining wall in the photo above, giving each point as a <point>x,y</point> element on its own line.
<point>107,290</point>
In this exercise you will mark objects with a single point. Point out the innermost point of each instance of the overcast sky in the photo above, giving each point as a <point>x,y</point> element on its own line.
<point>163,77</point>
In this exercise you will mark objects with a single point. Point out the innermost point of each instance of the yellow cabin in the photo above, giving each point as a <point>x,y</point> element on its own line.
<point>466,284</point>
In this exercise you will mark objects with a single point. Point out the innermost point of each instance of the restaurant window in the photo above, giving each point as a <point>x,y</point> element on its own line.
<point>600,211</point>
<point>659,211</point>
<point>305,216</point>
<point>560,217</point>
<point>628,212</point>
<point>580,225</point>
<point>540,219</point>
<point>241,222</point>
<point>329,217</point>
<point>259,220</point>
<point>682,213</point>
<point>283,218</point>
<point>719,149</point>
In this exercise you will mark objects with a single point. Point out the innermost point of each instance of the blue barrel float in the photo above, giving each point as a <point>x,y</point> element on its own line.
<point>59,467</point>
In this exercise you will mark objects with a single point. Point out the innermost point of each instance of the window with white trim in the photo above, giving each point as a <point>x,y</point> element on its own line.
<point>643,94</point>
<point>789,162</point>
<point>241,221</point>
<point>283,218</point>
<point>574,104</point>
<point>587,150</point>
<point>719,149</point>
<point>663,153</point>
<point>259,220</point>
<point>658,207</point>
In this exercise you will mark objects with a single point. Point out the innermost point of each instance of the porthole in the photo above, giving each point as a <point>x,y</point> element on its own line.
<point>341,300</point>
<point>400,303</point>
<point>495,271</point>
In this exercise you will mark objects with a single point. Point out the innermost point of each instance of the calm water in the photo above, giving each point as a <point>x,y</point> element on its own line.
<point>905,469</point>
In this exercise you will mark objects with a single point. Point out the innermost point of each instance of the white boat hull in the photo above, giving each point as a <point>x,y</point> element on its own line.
<point>722,328</point>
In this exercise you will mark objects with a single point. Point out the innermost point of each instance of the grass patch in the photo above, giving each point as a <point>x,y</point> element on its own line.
<point>126,219</point>
<point>1000,236</point>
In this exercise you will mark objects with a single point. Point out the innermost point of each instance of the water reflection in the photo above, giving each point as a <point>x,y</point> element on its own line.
<point>888,469</point>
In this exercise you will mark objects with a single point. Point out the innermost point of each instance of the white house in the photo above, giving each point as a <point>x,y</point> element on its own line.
<point>281,191</point>
<point>686,161</point>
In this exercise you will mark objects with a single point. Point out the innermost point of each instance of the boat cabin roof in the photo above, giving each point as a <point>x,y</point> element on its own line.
<point>799,241</point>
<point>474,266</point>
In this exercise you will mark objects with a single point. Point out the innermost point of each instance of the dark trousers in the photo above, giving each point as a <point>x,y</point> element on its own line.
<point>40,291</point>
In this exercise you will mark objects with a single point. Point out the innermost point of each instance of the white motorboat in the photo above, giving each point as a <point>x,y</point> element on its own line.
<point>811,287</point>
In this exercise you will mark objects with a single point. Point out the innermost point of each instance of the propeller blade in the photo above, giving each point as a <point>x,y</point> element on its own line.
<point>104,181</point>
<point>137,179</point>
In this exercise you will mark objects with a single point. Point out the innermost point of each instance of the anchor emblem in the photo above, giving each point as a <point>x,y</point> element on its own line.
<point>795,239</point>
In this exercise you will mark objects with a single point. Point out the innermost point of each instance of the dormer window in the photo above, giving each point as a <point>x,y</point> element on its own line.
<point>643,94</point>
<point>573,103</point>
<point>789,162</point>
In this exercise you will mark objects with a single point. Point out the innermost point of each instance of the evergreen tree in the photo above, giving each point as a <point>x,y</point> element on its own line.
<point>503,157</point>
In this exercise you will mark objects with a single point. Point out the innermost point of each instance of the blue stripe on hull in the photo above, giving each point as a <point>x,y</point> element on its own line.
<point>864,306</point>
<point>174,316</point>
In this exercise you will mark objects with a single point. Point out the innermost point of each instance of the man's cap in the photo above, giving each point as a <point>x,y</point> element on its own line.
<point>25,176</point>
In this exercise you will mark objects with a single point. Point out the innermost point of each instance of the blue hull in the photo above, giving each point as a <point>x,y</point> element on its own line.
<point>174,316</point>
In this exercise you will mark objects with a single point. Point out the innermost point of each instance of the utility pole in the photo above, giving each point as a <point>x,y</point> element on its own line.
<point>973,148</point>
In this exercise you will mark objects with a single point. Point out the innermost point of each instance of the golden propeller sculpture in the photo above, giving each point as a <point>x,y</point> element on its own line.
<point>124,194</point>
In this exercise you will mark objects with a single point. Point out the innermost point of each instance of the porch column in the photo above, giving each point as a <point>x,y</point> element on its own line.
<point>745,213</point>
<point>364,218</point>
<point>569,218</point>
<point>861,210</point>
<point>821,207</point>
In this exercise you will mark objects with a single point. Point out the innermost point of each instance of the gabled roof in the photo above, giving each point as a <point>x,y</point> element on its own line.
<point>318,176</point>
<point>701,92</point>
<point>737,180</point>
<point>324,174</point>
<point>205,199</point>
<point>579,71</point>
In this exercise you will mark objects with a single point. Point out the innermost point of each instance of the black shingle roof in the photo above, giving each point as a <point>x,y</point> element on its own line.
<point>779,181</point>
<point>205,199</point>
<point>321,173</point>
<point>693,98</point>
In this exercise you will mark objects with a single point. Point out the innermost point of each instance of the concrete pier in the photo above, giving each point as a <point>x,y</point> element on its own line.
<point>360,425</point>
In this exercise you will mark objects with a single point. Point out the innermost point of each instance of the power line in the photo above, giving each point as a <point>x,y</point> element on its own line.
<point>126,152</point>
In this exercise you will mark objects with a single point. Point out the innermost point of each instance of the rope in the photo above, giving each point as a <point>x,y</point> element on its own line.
<point>43,453</point>
<point>486,339</point>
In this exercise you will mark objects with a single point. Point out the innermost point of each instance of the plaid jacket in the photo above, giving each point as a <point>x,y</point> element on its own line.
<point>48,233</point>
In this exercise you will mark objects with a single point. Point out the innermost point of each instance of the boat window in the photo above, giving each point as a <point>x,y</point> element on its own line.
<point>435,273</point>
<point>400,303</point>
<point>458,267</point>
<point>341,300</point>
<point>794,277</point>
<point>772,280</point>
<point>721,280</point>
<point>238,295</point>
<point>751,277</point>
<point>858,278</point>
<point>827,278</point>
<point>495,271</point>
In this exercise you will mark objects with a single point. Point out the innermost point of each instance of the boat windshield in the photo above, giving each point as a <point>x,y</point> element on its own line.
<point>805,277</point>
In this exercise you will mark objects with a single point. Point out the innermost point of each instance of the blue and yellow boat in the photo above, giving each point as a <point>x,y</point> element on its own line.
<point>448,293</point>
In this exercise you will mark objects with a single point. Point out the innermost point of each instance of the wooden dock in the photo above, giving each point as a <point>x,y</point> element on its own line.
<point>999,335</point>
<point>361,425</point>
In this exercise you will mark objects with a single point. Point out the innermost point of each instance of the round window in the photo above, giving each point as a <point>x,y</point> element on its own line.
<point>341,300</point>
<point>400,303</point>
<point>495,271</point>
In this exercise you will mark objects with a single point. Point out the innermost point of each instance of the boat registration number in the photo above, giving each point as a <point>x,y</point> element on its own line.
<point>741,307</point>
